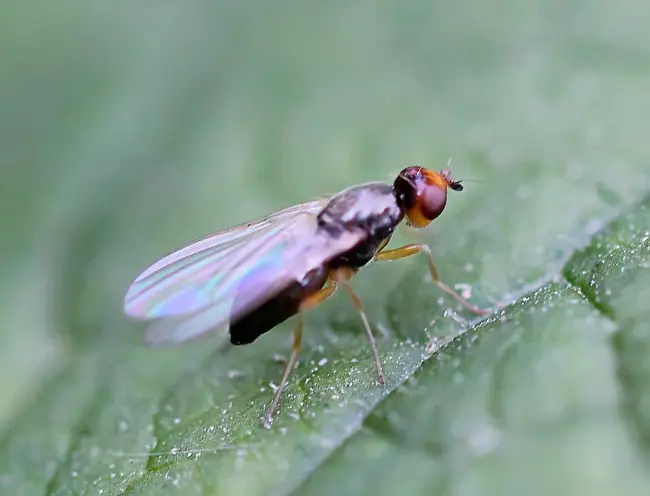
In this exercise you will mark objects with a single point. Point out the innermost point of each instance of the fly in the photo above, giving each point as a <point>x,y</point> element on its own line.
<point>251,277</point>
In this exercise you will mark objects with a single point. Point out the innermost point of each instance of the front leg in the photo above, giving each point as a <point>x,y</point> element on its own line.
<point>412,249</point>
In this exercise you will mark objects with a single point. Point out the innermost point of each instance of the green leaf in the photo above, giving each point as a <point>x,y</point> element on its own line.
<point>128,131</point>
<point>612,273</point>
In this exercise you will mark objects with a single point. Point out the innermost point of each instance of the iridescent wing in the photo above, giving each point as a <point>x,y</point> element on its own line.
<point>191,291</point>
<point>170,286</point>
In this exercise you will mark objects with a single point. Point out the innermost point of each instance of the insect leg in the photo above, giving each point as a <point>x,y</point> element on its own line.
<point>341,277</point>
<point>412,249</point>
<point>267,420</point>
<point>310,302</point>
<point>315,299</point>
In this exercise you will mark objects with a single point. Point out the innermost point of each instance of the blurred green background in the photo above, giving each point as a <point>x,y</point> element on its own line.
<point>130,128</point>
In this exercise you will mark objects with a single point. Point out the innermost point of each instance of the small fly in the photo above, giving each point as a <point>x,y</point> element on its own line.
<point>251,277</point>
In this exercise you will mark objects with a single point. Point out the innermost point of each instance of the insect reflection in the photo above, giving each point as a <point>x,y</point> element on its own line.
<point>250,278</point>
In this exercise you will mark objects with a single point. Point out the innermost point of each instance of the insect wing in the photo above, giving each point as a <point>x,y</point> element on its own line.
<point>183,282</point>
<point>263,272</point>
<point>193,290</point>
<point>179,329</point>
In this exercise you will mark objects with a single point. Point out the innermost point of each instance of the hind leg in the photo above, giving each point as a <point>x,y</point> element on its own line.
<point>309,302</point>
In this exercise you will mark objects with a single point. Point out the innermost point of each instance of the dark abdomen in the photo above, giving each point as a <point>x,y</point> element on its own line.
<point>275,310</point>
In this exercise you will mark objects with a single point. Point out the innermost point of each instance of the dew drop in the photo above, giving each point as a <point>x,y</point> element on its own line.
<point>464,289</point>
<point>234,374</point>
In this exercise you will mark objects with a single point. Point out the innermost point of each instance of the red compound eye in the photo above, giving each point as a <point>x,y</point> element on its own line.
<point>422,193</point>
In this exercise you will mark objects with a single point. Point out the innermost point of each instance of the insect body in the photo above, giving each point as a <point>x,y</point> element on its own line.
<point>250,278</point>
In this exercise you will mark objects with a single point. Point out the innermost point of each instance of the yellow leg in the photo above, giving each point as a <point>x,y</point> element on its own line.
<point>317,298</point>
<point>310,302</point>
<point>341,277</point>
<point>412,249</point>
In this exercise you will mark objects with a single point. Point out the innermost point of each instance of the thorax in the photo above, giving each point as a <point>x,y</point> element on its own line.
<point>371,208</point>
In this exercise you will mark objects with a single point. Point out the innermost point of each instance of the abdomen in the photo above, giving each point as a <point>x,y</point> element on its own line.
<point>275,310</point>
